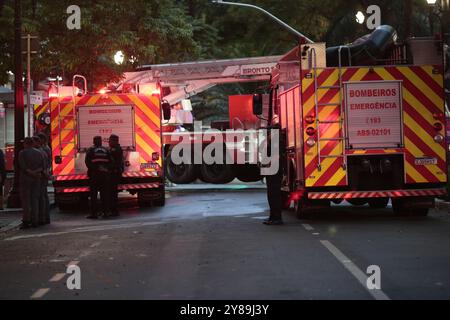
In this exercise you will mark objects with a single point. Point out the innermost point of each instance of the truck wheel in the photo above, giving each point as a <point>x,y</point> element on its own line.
<point>144,200</point>
<point>378,203</point>
<point>71,201</point>
<point>161,202</point>
<point>248,173</point>
<point>423,212</point>
<point>180,174</point>
<point>399,208</point>
<point>285,196</point>
<point>150,198</point>
<point>217,173</point>
<point>299,209</point>
<point>357,202</point>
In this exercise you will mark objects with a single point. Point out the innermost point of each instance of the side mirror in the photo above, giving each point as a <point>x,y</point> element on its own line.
<point>257,104</point>
<point>166,109</point>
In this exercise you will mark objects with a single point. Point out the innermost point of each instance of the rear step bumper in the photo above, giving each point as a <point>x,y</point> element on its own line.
<point>377,194</point>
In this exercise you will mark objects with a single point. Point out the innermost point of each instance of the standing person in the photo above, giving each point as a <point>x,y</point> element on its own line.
<point>44,209</point>
<point>116,172</point>
<point>48,153</point>
<point>31,164</point>
<point>274,193</point>
<point>99,162</point>
<point>2,176</point>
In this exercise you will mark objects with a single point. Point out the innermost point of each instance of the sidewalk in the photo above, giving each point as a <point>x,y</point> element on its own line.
<point>442,205</point>
<point>11,219</point>
<point>200,186</point>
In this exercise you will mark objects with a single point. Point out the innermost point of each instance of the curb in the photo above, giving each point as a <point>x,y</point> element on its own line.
<point>8,211</point>
<point>442,205</point>
<point>11,226</point>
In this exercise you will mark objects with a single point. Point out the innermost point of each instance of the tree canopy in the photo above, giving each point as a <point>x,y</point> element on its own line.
<point>163,31</point>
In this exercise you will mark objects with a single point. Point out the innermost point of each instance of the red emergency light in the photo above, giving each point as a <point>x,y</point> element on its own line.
<point>438,126</point>
<point>103,91</point>
<point>310,119</point>
<point>310,131</point>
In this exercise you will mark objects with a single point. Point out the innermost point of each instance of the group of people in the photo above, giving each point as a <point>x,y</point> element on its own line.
<point>34,165</point>
<point>105,168</point>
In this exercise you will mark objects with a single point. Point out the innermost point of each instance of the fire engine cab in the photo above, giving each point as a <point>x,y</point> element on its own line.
<point>363,123</point>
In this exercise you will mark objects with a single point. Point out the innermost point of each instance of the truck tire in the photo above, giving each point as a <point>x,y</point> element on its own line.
<point>217,173</point>
<point>401,210</point>
<point>161,202</point>
<point>357,202</point>
<point>299,210</point>
<point>72,201</point>
<point>180,174</point>
<point>285,196</point>
<point>423,212</point>
<point>248,173</point>
<point>398,208</point>
<point>378,203</point>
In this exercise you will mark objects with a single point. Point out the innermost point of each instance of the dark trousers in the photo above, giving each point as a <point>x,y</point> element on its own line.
<point>114,193</point>
<point>44,203</point>
<point>99,182</point>
<point>30,193</point>
<point>274,195</point>
<point>2,187</point>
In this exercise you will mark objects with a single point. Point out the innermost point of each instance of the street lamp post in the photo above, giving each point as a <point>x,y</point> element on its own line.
<point>279,21</point>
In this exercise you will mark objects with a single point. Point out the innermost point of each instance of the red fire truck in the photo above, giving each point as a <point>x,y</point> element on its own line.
<point>77,116</point>
<point>237,163</point>
<point>363,123</point>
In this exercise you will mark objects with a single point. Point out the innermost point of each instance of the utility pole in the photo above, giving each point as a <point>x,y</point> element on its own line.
<point>408,18</point>
<point>19,134</point>
<point>31,44</point>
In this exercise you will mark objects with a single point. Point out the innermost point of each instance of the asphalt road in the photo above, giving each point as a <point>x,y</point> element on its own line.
<point>212,245</point>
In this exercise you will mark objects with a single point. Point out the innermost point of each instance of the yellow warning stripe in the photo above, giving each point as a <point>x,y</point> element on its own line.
<point>418,82</point>
<point>415,151</point>
<point>425,137</point>
<point>146,109</point>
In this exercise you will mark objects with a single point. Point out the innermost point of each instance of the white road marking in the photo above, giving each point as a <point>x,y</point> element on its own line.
<point>260,218</point>
<point>354,270</point>
<point>86,229</point>
<point>57,277</point>
<point>58,260</point>
<point>308,227</point>
<point>73,263</point>
<point>316,234</point>
<point>95,245</point>
<point>104,237</point>
<point>85,254</point>
<point>40,293</point>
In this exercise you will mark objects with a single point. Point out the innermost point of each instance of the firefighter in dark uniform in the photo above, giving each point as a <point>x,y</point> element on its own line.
<point>99,163</point>
<point>274,193</point>
<point>116,172</point>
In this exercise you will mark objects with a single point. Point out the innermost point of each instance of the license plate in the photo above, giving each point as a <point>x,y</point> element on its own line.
<point>150,165</point>
<point>425,161</point>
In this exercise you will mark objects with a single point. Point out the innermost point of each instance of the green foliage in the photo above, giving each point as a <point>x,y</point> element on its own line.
<point>163,31</point>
